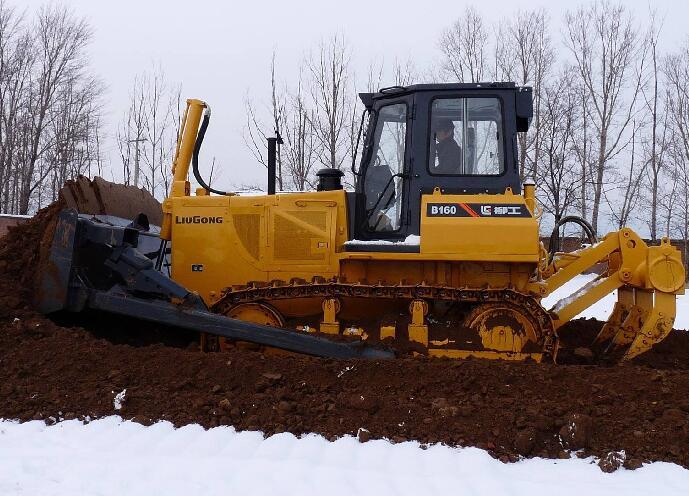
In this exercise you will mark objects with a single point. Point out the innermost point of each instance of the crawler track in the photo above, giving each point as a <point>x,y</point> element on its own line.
<point>296,289</point>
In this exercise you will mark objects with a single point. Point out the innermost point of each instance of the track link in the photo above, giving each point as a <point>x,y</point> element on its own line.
<point>265,292</point>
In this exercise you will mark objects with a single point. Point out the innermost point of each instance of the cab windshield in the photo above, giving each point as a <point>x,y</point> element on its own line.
<point>383,178</point>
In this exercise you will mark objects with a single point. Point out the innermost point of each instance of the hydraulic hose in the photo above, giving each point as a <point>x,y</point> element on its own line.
<point>197,149</point>
<point>554,244</point>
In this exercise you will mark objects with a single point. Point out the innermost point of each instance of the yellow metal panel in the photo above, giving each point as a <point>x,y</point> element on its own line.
<point>224,241</point>
<point>489,234</point>
<point>301,234</point>
<point>664,267</point>
<point>203,236</point>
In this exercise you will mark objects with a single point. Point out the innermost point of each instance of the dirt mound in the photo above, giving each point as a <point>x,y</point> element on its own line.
<point>51,371</point>
<point>20,253</point>
<point>671,354</point>
<point>99,196</point>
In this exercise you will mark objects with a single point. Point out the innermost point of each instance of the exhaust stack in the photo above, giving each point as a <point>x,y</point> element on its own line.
<point>273,143</point>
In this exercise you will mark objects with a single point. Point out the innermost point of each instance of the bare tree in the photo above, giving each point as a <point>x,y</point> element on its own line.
<point>130,135</point>
<point>49,105</point>
<point>669,180</point>
<point>625,196</point>
<point>60,42</point>
<point>75,131</point>
<point>148,133</point>
<point>331,99</point>
<point>676,71</point>
<point>464,46</point>
<point>160,133</point>
<point>524,54</point>
<point>607,53</point>
<point>557,177</point>
<point>301,146</point>
<point>651,103</point>
<point>16,62</point>
<point>258,130</point>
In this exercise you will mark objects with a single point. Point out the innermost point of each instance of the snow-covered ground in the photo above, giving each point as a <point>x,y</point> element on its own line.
<point>112,457</point>
<point>115,457</point>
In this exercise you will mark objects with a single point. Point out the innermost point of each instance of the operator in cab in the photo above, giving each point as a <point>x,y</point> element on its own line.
<point>448,153</point>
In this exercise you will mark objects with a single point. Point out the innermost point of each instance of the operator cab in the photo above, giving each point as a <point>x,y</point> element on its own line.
<point>460,138</point>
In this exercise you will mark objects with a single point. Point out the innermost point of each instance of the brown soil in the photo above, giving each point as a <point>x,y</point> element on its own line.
<point>68,368</point>
<point>99,196</point>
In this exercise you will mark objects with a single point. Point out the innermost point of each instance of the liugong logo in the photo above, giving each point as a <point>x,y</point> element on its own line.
<point>197,219</point>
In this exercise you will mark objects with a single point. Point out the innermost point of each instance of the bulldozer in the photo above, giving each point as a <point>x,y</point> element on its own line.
<point>437,245</point>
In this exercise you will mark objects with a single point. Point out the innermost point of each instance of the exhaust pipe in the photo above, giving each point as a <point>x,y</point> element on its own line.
<point>272,160</point>
<point>273,143</point>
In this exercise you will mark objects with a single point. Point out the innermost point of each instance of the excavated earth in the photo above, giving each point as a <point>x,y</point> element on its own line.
<point>73,368</point>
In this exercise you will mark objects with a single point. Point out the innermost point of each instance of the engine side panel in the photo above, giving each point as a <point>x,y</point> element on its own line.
<point>223,241</point>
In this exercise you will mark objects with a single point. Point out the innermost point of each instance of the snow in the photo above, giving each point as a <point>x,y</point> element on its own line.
<point>588,286</point>
<point>15,216</point>
<point>603,308</point>
<point>345,370</point>
<point>115,457</point>
<point>411,240</point>
<point>119,399</point>
<point>260,192</point>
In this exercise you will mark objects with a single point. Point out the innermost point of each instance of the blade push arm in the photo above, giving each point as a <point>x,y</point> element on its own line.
<point>98,266</point>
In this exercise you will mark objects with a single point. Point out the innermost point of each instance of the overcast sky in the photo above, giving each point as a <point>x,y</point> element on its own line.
<point>220,50</point>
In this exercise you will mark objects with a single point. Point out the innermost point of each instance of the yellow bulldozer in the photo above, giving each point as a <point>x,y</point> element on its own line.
<point>438,245</point>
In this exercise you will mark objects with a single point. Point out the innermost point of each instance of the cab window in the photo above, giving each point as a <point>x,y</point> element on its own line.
<point>466,137</point>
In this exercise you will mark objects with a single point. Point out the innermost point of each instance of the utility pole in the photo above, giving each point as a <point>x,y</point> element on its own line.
<point>136,159</point>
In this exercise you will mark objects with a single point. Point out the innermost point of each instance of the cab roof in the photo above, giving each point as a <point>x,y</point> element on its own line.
<point>368,98</point>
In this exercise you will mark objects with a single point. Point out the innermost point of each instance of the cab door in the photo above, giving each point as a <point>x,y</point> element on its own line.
<point>383,189</point>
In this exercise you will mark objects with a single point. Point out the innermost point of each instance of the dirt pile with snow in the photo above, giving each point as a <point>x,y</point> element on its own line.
<point>52,370</point>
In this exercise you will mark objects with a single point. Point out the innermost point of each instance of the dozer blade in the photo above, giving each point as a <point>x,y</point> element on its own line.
<point>93,265</point>
<point>55,267</point>
<point>162,312</point>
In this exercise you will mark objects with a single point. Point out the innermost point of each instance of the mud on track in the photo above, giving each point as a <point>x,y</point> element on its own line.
<point>54,371</point>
